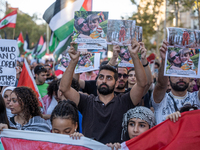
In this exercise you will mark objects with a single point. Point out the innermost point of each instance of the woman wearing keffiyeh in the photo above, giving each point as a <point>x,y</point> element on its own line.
<point>135,122</point>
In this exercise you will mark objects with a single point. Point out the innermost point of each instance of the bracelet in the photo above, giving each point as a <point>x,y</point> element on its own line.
<point>146,64</point>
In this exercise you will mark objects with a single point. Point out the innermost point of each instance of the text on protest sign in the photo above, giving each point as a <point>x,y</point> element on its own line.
<point>8,53</point>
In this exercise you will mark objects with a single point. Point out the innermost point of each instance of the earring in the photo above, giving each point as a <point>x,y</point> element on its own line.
<point>75,130</point>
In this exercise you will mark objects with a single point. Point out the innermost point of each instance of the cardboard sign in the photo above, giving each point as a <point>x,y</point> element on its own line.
<point>8,54</point>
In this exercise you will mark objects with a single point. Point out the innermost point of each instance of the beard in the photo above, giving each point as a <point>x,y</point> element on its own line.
<point>177,87</point>
<point>121,86</point>
<point>105,90</point>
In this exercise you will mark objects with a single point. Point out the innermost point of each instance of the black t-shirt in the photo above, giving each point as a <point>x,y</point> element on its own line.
<point>103,122</point>
<point>90,87</point>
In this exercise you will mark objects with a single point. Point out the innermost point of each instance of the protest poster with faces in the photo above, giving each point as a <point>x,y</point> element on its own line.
<point>90,30</point>
<point>182,57</point>
<point>8,55</point>
<point>124,58</point>
<point>88,62</point>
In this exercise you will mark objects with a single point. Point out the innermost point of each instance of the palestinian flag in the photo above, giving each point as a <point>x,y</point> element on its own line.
<point>43,50</point>
<point>38,47</point>
<point>26,46</point>
<point>32,140</point>
<point>26,79</point>
<point>9,20</point>
<point>60,17</point>
<point>20,40</point>
<point>53,42</point>
<point>181,135</point>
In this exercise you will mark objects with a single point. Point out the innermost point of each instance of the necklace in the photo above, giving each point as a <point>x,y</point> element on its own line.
<point>87,79</point>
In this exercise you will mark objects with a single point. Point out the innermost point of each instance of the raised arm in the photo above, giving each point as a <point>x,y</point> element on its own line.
<point>147,69</point>
<point>137,90</point>
<point>116,51</point>
<point>161,86</point>
<point>65,83</point>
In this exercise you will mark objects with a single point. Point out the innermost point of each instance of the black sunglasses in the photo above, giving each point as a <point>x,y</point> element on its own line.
<point>82,24</point>
<point>124,75</point>
<point>174,57</point>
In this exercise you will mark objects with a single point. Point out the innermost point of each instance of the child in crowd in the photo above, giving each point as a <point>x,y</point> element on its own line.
<point>64,119</point>
<point>186,62</point>
<point>135,122</point>
<point>95,29</point>
<point>6,96</point>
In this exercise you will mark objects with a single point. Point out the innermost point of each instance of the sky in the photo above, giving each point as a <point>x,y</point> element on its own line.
<point>116,8</point>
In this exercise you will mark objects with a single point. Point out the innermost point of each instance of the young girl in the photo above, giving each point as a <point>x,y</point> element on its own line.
<point>64,119</point>
<point>25,107</point>
<point>135,122</point>
<point>6,96</point>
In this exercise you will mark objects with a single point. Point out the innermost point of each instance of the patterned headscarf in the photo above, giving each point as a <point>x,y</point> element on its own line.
<point>140,112</point>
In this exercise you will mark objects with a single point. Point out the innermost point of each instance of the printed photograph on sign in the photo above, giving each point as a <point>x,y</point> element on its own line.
<point>90,27</point>
<point>138,33</point>
<point>120,32</point>
<point>88,62</point>
<point>64,62</point>
<point>183,38</point>
<point>124,58</point>
<point>183,62</point>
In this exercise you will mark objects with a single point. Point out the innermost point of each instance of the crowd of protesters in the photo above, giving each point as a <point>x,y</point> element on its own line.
<point>111,105</point>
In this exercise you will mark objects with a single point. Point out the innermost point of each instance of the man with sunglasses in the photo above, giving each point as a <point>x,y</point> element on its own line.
<point>82,27</point>
<point>174,59</point>
<point>102,114</point>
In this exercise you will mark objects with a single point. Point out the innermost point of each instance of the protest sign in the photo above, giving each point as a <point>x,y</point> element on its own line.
<point>182,57</point>
<point>8,54</point>
<point>87,62</point>
<point>32,140</point>
<point>90,29</point>
<point>120,32</point>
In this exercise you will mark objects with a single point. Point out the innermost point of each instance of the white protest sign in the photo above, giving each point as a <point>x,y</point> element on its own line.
<point>8,54</point>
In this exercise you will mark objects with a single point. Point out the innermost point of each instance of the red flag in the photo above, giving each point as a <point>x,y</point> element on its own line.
<point>9,20</point>
<point>181,135</point>
<point>31,140</point>
<point>26,79</point>
<point>20,40</point>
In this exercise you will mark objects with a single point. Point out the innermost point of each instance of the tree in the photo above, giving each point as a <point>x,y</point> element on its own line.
<point>147,16</point>
<point>25,24</point>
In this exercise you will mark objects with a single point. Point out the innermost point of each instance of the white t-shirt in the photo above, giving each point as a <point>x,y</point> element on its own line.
<point>166,106</point>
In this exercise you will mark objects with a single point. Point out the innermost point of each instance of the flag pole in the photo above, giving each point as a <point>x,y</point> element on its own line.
<point>13,33</point>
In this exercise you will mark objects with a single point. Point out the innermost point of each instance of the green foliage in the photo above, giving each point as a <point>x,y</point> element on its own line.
<point>195,60</point>
<point>148,20</point>
<point>25,24</point>
<point>104,26</point>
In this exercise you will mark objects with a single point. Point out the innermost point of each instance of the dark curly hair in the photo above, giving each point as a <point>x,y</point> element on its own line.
<point>65,109</point>
<point>75,84</point>
<point>28,101</point>
<point>53,87</point>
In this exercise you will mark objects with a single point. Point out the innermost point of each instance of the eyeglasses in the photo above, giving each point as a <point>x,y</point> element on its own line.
<point>174,57</point>
<point>124,75</point>
<point>82,24</point>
